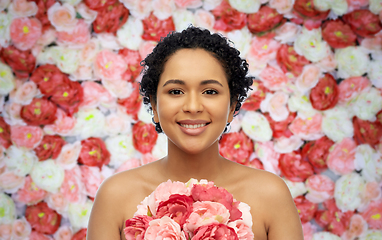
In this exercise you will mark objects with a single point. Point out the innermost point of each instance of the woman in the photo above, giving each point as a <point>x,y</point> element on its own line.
<point>194,82</point>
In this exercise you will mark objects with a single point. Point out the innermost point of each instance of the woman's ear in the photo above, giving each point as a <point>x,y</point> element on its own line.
<point>232,111</point>
<point>154,107</point>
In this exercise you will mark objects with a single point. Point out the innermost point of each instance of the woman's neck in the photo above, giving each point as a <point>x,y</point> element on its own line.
<point>181,166</point>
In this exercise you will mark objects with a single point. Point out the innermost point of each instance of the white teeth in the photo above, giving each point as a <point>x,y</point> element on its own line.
<point>193,126</point>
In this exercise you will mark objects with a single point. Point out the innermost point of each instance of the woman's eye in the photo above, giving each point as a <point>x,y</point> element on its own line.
<point>175,91</point>
<point>210,91</point>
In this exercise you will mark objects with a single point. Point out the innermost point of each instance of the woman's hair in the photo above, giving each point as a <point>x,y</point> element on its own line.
<point>235,68</point>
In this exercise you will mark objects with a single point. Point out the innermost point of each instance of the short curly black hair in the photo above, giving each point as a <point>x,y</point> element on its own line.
<point>236,68</point>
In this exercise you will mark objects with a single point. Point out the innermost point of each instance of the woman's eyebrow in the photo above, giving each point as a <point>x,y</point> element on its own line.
<point>181,82</point>
<point>210,81</point>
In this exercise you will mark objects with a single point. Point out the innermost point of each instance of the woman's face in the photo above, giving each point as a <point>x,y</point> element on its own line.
<point>193,100</point>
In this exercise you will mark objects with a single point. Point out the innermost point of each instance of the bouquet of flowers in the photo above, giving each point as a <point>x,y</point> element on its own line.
<point>193,210</point>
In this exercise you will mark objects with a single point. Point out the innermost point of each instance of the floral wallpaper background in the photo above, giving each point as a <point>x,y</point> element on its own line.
<point>71,114</point>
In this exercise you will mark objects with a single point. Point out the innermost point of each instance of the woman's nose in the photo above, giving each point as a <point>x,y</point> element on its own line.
<point>192,103</point>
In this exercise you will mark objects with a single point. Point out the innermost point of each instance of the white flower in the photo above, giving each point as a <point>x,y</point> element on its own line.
<point>7,209</point>
<point>310,45</point>
<point>118,122</point>
<point>347,191</point>
<point>300,103</point>
<point>138,8</point>
<point>339,7</point>
<point>71,2</point>
<point>371,234</point>
<point>336,124</point>
<point>352,62</point>
<point>31,9</point>
<point>246,6</point>
<point>118,88</point>
<point>62,17</point>
<point>90,123</point>
<point>246,214</point>
<point>204,19</point>
<point>275,104</point>
<point>163,8</point>
<point>375,6</point>
<point>325,236</point>
<point>367,104</point>
<point>129,35</point>
<point>288,32</point>
<point>79,214</point>
<point>66,59</point>
<point>10,182</point>
<point>242,40</point>
<point>144,114</point>
<point>322,5</point>
<point>69,154</point>
<point>256,126</point>
<point>121,149</point>
<point>4,4</point>
<point>109,41</point>
<point>369,161</point>
<point>375,72</point>
<point>282,6</point>
<point>182,19</point>
<point>47,175</point>
<point>296,188</point>
<point>86,13</point>
<point>26,92</point>
<point>160,148</point>
<point>287,145</point>
<point>20,160</point>
<point>5,34</point>
<point>211,4</point>
<point>7,80</point>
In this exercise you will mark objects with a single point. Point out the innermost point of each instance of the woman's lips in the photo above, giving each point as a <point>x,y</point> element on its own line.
<point>193,129</point>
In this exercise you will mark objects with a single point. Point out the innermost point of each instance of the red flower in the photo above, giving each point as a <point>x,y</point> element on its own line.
<point>332,219</point>
<point>21,62</point>
<point>132,59</point>
<point>177,207</point>
<point>94,152</point>
<point>280,129</point>
<point>215,231</point>
<point>48,77</point>
<point>111,18</point>
<point>236,147</point>
<point>68,96</point>
<point>306,9</point>
<point>316,152</point>
<point>133,103</point>
<point>80,235</point>
<point>43,6</point>
<point>379,117</point>
<point>325,94</point>
<point>306,209</point>
<point>290,61</point>
<point>99,5</point>
<point>252,103</point>
<point>373,214</point>
<point>227,18</point>
<point>255,163</point>
<point>209,192</point>
<point>294,168</point>
<point>154,29</point>
<point>42,218</point>
<point>40,111</point>
<point>363,22</point>
<point>5,133</point>
<point>264,21</point>
<point>338,34</point>
<point>50,147</point>
<point>144,137</point>
<point>135,227</point>
<point>366,131</point>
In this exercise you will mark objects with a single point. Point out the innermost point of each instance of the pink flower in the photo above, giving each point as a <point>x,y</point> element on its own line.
<point>163,8</point>
<point>273,78</point>
<point>26,136</point>
<point>275,104</point>
<point>372,191</point>
<point>177,207</point>
<point>188,3</point>
<point>10,182</point>
<point>147,158</point>
<point>146,47</point>
<point>92,178</point>
<point>268,156</point>
<point>12,113</point>
<point>263,49</point>
<point>129,164</point>
<point>356,4</point>
<point>352,87</point>
<point>25,93</point>
<point>308,78</point>
<point>341,157</point>
<point>320,188</point>
<point>243,231</point>
<point>21,229</point>
<point>30,193</point>
<point>135,228</point>
<point>63,125</point>
<point>204,213</point>
<point>282,6</point>
<point>164,229</point>
<point>109,65</point>
<point>373,214</point>
<point>23,8</point>
<point>215,231</point>
<point>78,37</point>
<point>308,229</point>
<point>204,19</point>
<point>6,231</point>
<point>357,227</point>
<point>62,17</point>
<point>38,236</point>
<point>308,128</point>
<point>69,155</point>
<point>73,187</point>
<point>63,233</point>
<point>95,94</point>
<point>25,32</point>
<point>58,202</point>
